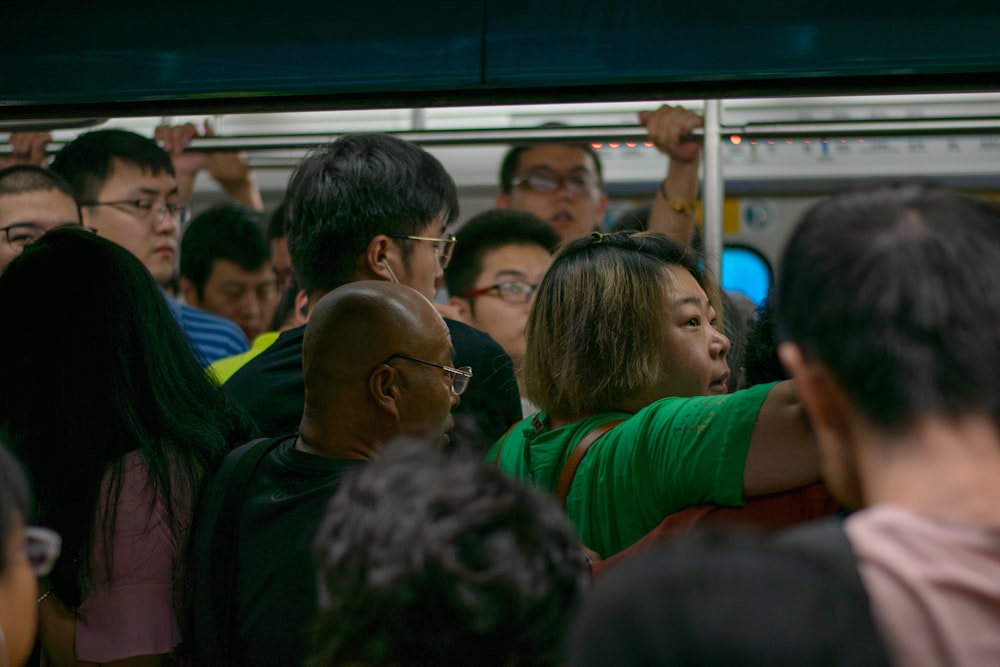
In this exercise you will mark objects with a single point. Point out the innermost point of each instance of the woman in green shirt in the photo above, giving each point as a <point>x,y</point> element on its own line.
<point>623,328</point>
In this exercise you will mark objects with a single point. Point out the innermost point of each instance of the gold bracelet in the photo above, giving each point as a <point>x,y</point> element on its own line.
<point>683,207</point>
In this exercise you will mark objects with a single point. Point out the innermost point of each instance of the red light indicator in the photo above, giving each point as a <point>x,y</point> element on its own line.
<point>807,141</point>
<point>753,143</point>
<point>735,139</point>
<point>861,141</point>
<point>648,144</point>
<point>596,146</point>
<point>613,144</point>
<point>630,144</point>
<point>770,142</point>
<point>843,141</point>
<point>789,142</point>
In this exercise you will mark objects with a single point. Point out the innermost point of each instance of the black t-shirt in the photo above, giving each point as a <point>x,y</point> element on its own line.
<point>270,386</point>
<point>275,600</point>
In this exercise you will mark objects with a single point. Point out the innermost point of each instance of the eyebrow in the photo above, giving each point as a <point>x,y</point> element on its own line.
<point>142,190</point>
<point>510,273</point>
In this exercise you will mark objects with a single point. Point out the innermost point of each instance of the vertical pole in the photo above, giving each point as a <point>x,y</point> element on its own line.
<point>714,189</point>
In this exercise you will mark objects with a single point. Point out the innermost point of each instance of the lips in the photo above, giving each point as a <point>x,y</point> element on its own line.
<point>562,218</point>
<point>720,385</point>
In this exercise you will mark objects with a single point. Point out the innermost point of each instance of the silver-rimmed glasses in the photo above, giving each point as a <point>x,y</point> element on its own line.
<point>460,377</point>
<point>147,211</point>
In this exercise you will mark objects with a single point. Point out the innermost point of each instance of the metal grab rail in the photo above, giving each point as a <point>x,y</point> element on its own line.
<point>922,127</point>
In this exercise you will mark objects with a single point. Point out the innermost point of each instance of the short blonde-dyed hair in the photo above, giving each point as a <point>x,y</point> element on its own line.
<point>595,332</point>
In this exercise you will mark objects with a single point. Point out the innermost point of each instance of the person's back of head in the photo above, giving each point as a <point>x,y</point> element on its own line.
<point>18,585</point>
<point>358,187</point>
<point>709,600</point>
<point>88,161</point>
<point>430,559</point>
<point>893,289</point>
<point>101,369</point>
<point>374,359</point>
<point>489,230</point>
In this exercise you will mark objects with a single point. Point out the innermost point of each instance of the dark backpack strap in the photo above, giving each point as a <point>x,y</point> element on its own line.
<point>576,456</point>
<point>225,542</point>
<point>827,541</point>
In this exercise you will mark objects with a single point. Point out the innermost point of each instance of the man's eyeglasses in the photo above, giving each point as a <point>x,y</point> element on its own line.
<point>42,547</point>
<point>460,377</point>
<point>513,292</point>
<point>146,210</point>
<point>22,234</point>
<point>549,181</point>
<point>442,247</point>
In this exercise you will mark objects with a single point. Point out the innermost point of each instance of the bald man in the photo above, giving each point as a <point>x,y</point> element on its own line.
<point>377,362</point>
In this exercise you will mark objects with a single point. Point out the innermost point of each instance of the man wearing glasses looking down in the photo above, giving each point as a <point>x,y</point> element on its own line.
<point>128,194</point>
<point>500,258</point>
<point>371,207</point>
<point>563,184</point>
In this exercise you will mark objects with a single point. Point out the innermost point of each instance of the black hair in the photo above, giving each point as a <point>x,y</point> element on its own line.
<point>760,356</point>
<point>286,305</point>
<point>228,232</point>
<point>438,559</point>
<point>512,160</point>
<point>489,230</point>
<point>14,499</point>
<point>276,223</point>
<point>720,599</point>
<point>72,405</point>
<point>24,178</point>
<point>358,187</point>
<point>893,287</point>
<point>88,161</point>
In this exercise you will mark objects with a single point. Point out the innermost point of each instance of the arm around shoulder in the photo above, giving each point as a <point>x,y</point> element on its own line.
<point>782,453</point>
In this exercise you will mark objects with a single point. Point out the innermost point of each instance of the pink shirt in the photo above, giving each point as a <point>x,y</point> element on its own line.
<point>934,586</point>
<point>137,611</point>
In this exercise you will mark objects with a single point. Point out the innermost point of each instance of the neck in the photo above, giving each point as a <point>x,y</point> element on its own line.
<point>948,468</point>
<point>332,441</point>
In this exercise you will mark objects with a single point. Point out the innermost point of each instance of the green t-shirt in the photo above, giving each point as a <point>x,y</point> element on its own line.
<point>670,455</point>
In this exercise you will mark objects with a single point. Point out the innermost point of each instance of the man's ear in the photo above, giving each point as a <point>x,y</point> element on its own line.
<point>301,307</point>
<point>823,398</point>
<point>188,291</point>
<point>384,389</point>
<point>602,209</point>
<point>463,308</point>
<point>375,258</point>
<point>503,200</point>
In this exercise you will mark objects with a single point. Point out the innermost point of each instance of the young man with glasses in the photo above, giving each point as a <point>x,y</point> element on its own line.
<point>563,184</point>
<point>128,194</point>
<point>372,207</point>
<point>377,362</point>
<point>33,201</point>
<point>500,258</point>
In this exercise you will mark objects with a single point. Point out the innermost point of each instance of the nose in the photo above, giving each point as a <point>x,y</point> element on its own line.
<point>719,346</point>
<point>165,221</point>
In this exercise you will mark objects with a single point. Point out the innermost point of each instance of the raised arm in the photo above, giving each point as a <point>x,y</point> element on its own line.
<point>783,453</point>
<point>673,211</point>
<point>27,148</point>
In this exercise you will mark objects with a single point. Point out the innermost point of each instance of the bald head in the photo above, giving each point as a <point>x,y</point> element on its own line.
<point>354,381</point>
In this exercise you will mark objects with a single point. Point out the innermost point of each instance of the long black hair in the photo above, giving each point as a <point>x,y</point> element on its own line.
<point>95,367</point>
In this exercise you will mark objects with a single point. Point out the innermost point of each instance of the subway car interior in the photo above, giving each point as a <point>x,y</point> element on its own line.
<point>797,104</point>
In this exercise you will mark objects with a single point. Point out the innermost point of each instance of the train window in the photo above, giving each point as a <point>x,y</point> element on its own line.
<point>747,271</point>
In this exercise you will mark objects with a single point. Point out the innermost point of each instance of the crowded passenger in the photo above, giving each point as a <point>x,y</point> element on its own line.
<point>889,318</point>
<point>644,388</point>
<point>278,239</point>
<point>371,207</point>
<point>499,259</point>
<point>377,362</point>
<point>118,432</point>
<point>33,201</point>
<point>726,599</point>
<point>563,184</point>
<point>427,559</point>
<point>128,194</point>
<point>226,269</point>
<point>27,553</point>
